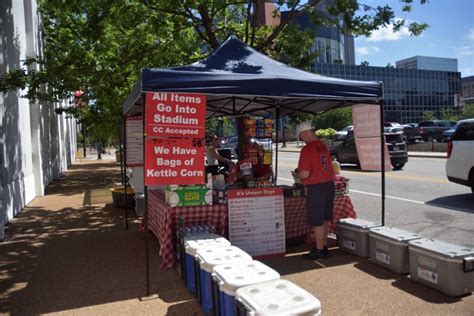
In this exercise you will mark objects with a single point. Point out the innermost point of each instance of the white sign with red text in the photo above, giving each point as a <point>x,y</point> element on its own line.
<point>257,221</point>
<point>369,153</point>
<point>366,119</point>
<point>134,141</point>
<point>367,130</point>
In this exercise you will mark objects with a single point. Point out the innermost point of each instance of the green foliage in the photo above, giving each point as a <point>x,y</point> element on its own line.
<point>100,46</point>
<point>428,116</point>
<point>448,115</point>
<point>468,111</point>
<point>325,134</point>
<point>337,119</point>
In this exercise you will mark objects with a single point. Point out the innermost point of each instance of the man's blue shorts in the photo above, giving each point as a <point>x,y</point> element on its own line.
<point>320,203</point>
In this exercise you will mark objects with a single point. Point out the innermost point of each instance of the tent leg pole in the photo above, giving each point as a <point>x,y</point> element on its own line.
<point>124,159</point>
<point>382,155</point>
<point>147,246</point>
<point>276,147</point>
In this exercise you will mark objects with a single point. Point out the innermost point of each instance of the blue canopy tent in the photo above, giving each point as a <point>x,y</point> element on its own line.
<point>237,80</point>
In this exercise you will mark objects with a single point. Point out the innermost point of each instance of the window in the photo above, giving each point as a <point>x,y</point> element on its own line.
<point>465,131</point>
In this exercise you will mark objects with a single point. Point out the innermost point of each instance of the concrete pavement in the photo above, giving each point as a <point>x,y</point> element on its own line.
<point>68,253</point>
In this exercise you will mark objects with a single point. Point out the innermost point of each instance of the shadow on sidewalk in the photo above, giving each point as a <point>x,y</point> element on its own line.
<point>86,175</point>
<point>63,258</point>
<point>404,283</point>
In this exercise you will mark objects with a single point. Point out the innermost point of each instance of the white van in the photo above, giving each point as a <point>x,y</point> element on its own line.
<point>460,163</point>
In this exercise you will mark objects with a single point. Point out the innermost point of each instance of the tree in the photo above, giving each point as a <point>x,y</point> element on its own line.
<point>101,45</point>
<point>336,119</point>
<point>364,63</point>
<point>468,111</point>
<point>428,116</point>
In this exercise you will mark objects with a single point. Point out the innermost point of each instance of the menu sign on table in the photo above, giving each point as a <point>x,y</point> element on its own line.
<point>134,141</point>
<point>174,161</point>
<point>257,220</point>
<point>180,115</point>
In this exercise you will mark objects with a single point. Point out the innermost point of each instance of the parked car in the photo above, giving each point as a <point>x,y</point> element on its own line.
<point>411,132</point>
<point>232,145</point>
<point>340,135</point>
<point>346,152</point>
<point>433,129</point>
<point>460,163</point>
<point>447,134</point>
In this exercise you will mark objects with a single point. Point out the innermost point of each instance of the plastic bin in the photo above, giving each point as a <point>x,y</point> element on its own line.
<point>279,297</point>
<point>209,258</point>
<point>227,278</point>
<point>353,236</point>
<point>389,248</point>
<point>445,267</point>
<point>139,204</point>
<point>192,244</point>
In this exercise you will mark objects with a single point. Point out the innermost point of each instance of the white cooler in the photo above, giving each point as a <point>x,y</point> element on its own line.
<point>278,297</point>
<point>442,266</point>
<point>227,278</point>
<point>192,244</point>
<point>207,259</point>
<point>389,248</point>
<point>353,236</point>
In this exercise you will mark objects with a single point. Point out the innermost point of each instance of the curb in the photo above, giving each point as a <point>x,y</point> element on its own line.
<point>426,156</point>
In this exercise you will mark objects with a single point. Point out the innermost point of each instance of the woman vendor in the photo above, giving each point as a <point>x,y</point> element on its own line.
<point>213,157</point>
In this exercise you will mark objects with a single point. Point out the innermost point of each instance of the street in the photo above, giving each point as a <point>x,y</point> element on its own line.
<point>419,198</point>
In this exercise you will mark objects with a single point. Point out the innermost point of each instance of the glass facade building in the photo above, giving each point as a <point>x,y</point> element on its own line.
<point>428,63</point>
<point>407,92</point>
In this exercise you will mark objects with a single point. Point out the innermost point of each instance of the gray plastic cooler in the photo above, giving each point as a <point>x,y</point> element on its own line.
<point>353,236</point>
<point>389,248</point>
<point>442,266</point>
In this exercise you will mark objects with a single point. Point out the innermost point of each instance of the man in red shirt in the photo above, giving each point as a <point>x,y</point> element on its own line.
<point>317,175</point>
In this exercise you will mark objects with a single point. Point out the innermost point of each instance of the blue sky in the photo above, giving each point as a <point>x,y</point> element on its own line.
<point>451,35</point>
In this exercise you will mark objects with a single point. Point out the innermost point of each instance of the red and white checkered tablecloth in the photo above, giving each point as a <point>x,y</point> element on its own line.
<point>295,214</point>
<point>163,221</point>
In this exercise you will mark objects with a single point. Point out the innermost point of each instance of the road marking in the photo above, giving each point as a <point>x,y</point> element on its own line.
<point>388,196</point>
<point>377,174</point>
<point>389,175</point>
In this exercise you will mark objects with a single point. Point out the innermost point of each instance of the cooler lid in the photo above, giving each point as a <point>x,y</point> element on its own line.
<point>278,297</point>
<point>194,242</point>
<point>394,233</point>
<point>211,257</point>
<point>236,275</point>
<point>442,248</point>
<point>358,223</point>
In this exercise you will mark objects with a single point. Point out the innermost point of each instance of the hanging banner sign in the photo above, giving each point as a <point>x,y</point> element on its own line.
<point>366,119</point>
<point>171,114</point>
<point>174,161</point>
<point>257,220</point>
<point>134,141</point>
<point>370,157</point>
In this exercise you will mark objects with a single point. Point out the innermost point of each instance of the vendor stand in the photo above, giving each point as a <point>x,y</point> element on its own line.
<point>236,81</point>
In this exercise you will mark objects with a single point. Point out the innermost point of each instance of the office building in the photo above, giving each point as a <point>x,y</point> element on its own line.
<point>407,92</point>
<point>36,144</point>
<point>467,84</point>
<point>332,45</point>
<point>428,63</point>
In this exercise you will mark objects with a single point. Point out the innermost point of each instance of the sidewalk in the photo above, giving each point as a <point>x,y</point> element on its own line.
<point>294,147</point>
<point>68,253</point>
